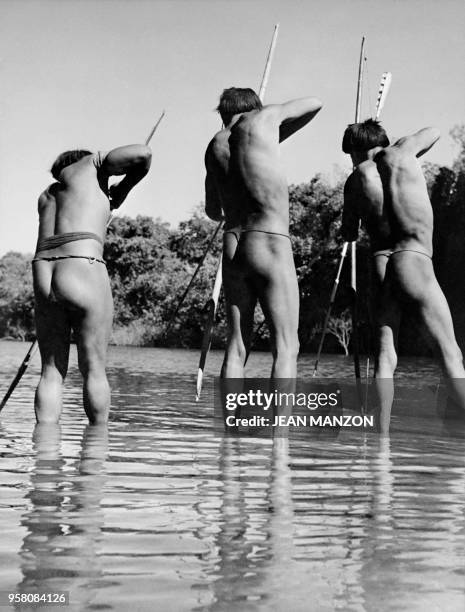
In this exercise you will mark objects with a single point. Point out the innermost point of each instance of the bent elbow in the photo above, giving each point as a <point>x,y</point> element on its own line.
<point>317,104</point>
<point>144,157</point>
<point>435,134</point>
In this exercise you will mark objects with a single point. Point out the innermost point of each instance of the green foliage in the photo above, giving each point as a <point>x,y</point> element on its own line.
<point>16,296</point>
<point>150,265</point>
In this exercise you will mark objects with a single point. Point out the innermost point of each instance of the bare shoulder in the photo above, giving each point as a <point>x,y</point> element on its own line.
<point>366,169</point>
<point>50,192</point>
<point>217,147</point>
<point>353,182</point>
<point>273,112</point>
<point>48,195</point>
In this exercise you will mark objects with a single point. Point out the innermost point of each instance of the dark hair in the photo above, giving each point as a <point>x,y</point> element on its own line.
<point>364,136</point>
<point>66,159</point>
<point>237,100</point>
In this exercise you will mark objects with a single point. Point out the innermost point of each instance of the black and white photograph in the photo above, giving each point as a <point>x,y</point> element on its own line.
<point>232,305</point>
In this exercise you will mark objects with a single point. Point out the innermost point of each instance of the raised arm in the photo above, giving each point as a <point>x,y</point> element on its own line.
<point>213,207</point>
<point>350,213</point>
<point>420,142</point>
<point>295,114</point>
<point>133,161</point>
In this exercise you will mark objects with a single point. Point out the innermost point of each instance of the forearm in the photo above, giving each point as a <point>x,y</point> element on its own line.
<point>119,192</point>
<point>431,136</point>
<point>421,142</point>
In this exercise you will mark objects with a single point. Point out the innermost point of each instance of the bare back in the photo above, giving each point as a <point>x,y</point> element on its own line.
<point>364,199</point>
<point>406,197</point>
<point>77,203</point>
<point>244,162</point>
<point>388,193</point>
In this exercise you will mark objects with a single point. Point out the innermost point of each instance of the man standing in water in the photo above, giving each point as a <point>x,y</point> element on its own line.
<point>387,190</point>
<point>71,284</point>
<point>246,186</point>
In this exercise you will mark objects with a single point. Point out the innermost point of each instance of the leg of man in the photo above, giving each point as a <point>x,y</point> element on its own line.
<point>240,307</point>
<point>53,334</point>
<point>93,328</point>
<point>388,314</point>
<point>278,293</point>
<point>415,275</point>
<point>84,289</point>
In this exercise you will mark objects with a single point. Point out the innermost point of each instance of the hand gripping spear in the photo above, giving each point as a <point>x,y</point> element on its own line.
<point>34,346</point>
<point>212,303</point>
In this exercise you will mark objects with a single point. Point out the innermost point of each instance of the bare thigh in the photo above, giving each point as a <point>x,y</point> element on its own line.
<point>53,325</point>
<point>240,297</point>
<point>387,305</point>
<point>417,282</point>
<point>85,291</point>
<point>271,270</point>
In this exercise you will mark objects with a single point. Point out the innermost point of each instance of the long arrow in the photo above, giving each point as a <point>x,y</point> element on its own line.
<point>383,91</point>
<point>212,303</point>
<point>34,346</point>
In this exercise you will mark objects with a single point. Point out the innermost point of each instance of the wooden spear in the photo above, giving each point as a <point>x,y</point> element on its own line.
<point>353,252</point>
<point>331,303</point>
<point>384,86</point>
<point>34,346</point>
<point>212,303</point>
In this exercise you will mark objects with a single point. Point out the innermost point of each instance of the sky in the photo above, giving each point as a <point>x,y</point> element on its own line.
<point>96,74</point>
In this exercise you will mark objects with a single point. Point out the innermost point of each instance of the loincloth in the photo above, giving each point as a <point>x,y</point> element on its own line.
<point>52,242</point>
<point>237,235</point>
<point>389,252</point>
<point>90,259</point>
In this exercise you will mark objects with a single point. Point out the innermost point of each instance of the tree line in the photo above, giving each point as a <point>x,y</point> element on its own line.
<point>150,265</point>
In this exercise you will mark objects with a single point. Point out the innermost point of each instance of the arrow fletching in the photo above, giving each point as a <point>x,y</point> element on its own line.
<point>383,91</point>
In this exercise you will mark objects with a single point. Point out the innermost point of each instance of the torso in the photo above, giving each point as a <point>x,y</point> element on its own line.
<point>248,173</point>
<point>76,204</point>
<point>406,198</point>
<point>394,202</point>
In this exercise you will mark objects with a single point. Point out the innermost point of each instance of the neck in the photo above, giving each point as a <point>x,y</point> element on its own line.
<point>234,119</point>
<point>360,156</point>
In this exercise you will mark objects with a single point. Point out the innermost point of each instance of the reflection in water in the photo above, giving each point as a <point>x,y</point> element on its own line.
<point>174,518</point>
<point>60,549</point>
<point>255,543</point>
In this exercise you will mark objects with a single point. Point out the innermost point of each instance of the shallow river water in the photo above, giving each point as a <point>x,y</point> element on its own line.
<point>159,513</point>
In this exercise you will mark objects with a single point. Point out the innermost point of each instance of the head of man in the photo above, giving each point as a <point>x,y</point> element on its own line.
<point>359,138</point>
<point>66,159</point>
<point>237,100</point>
